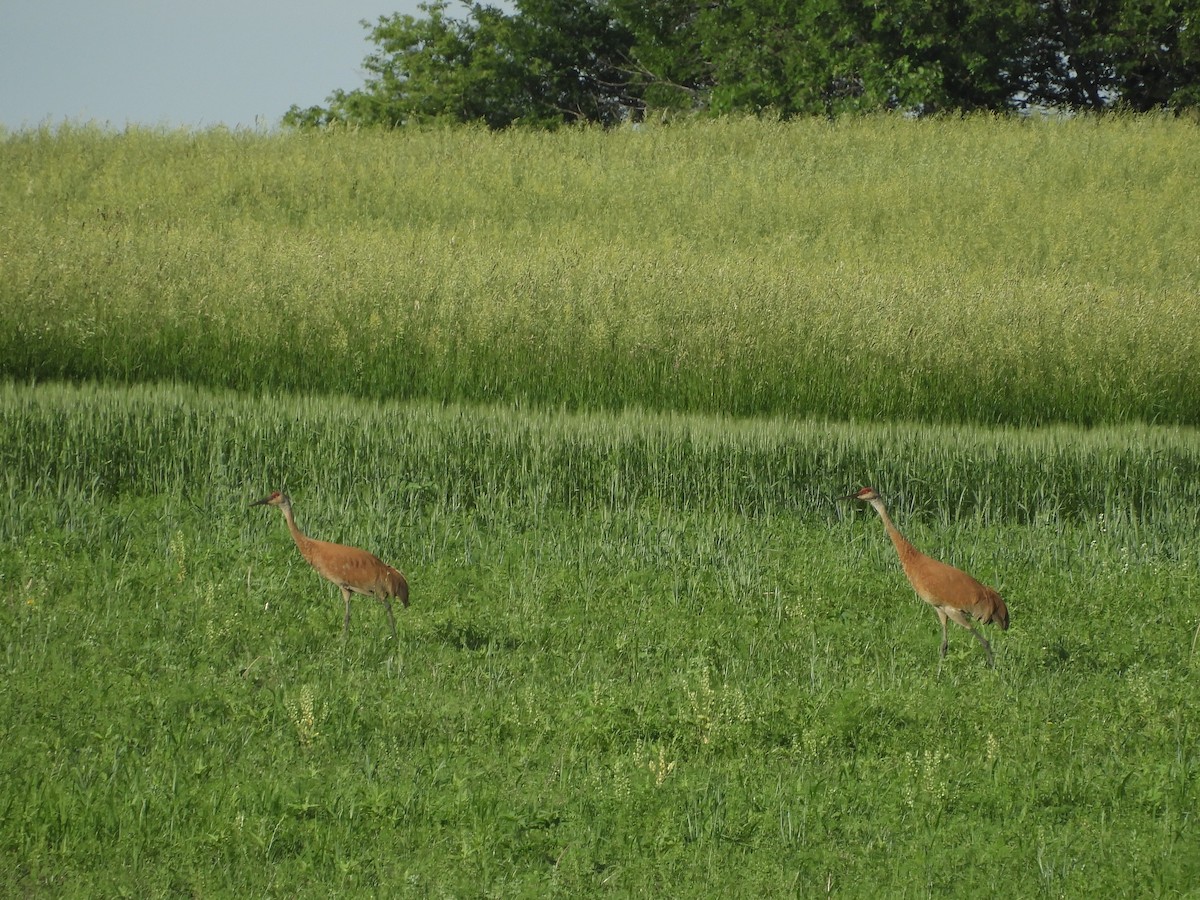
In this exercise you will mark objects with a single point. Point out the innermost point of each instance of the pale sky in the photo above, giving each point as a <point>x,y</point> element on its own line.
<point>179,63</point>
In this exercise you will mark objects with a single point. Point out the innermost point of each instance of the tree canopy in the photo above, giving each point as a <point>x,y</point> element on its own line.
<point>554,62</point>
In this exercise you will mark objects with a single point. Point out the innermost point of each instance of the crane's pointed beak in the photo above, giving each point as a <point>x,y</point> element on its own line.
<point>848,497</point>
<point>263,502</point>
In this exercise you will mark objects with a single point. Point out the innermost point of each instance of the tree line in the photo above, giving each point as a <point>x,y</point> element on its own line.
<point>548,63</point>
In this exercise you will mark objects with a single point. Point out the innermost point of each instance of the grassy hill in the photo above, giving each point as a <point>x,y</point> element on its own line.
<point>993,271</point>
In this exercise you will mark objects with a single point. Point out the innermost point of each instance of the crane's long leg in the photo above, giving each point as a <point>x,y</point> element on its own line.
<point>945,638</point>
<point>387,604</point>
<point>961,618</point>
<point>346,621</point>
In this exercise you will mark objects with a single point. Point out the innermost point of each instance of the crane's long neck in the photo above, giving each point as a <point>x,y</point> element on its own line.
<point>297,535</point>
<point>904,549</point>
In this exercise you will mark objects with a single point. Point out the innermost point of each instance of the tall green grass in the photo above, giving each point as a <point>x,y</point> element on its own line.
<point>219,448</point>
<point>645,655</point>
<point>977,270</point>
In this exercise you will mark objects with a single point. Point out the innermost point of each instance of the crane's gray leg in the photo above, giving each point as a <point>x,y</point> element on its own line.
<point>387,604</point>
<point>346,621</point>
<point>986,646</point>
<point>945,638</point>
<point>961,618</point>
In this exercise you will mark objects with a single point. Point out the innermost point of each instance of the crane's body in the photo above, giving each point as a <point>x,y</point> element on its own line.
<point>354,571</point>
<point>953,594</point>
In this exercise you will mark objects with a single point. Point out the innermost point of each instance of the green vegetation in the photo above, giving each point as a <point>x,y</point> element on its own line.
<point>978,270</point>
<point>647,653</point>
<point>546,64</point>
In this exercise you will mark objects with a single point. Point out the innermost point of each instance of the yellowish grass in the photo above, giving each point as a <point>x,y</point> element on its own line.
<point>979,269</point>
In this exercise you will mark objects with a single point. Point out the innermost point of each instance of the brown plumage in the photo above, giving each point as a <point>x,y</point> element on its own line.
<point>952,593</point>
<point>352,570</point>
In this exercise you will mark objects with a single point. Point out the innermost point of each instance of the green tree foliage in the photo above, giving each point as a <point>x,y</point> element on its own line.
<point>554,62</point>
<point>432,68</point>
<point>1156,54</point>
<point>836,56</point>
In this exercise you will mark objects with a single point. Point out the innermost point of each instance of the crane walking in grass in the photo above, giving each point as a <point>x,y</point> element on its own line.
<point>951,592</point>
<point>353,570</point>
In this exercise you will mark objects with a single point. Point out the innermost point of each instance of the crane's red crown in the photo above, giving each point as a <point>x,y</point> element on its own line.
<point>867,493</point>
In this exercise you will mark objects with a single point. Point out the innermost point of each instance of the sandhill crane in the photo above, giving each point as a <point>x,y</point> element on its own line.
<point>352,570</point>
<point>951,592</point>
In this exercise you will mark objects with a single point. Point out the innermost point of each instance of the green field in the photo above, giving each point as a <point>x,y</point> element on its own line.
<point>955,270</point>
<point>595,393</point>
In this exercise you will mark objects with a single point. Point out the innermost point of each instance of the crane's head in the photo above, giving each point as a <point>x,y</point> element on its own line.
<point>275,499</point>
<point>867,494</point>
